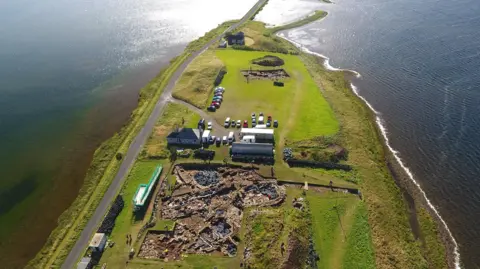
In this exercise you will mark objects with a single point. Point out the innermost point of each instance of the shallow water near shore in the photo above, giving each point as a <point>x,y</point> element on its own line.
<point>418,63</point>
<point>70,72</point>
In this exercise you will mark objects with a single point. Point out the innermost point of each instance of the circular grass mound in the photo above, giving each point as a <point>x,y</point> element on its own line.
<point>269,60</point>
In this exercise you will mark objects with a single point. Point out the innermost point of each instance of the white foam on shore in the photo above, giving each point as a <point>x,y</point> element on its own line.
<point>383,130</point>
<point>326,60</point>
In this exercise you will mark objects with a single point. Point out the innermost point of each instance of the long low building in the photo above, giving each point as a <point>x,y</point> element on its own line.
<point>252,149</point>
<point>260,134</point>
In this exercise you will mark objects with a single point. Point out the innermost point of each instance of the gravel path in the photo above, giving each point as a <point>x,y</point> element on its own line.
<point>137,144</point>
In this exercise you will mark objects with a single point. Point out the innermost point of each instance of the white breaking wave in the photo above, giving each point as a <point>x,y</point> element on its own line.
<point>383,130</point>
<point>326,60</point>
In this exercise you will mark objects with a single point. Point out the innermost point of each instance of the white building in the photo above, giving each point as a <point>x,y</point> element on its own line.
<point>259,133</point>
<point>98,242</point>
<point>205,136</point>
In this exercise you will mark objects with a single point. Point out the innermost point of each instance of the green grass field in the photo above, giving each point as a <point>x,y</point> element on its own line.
<point>299,107</point>
<point>340,230</point>
<point>196,83</point>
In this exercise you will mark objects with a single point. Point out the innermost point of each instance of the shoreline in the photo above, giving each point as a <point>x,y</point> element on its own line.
<point>404,178</point>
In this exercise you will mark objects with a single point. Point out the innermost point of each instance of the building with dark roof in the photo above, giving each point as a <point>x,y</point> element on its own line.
<point>236,39</point>
<point>252,149</point>
<point>184,136</point>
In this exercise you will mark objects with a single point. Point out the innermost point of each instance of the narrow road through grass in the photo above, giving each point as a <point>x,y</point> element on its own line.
<point>137,145</point>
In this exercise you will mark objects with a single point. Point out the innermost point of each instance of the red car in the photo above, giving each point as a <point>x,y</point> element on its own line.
<point>245,124</point>
<point>215,104</point>
<point>269,118</point>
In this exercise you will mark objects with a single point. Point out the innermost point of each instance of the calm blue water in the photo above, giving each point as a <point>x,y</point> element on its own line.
<point>70,72</point>
<point>419,62</point>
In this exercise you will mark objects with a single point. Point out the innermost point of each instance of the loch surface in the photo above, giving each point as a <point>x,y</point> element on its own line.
<point>70,73</point>
<point>419,64</point>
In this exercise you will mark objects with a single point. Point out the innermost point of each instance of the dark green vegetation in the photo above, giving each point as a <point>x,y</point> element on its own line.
<point>105,165</point>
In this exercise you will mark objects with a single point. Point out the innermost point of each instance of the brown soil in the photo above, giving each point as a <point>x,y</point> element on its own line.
<point>208,217</point>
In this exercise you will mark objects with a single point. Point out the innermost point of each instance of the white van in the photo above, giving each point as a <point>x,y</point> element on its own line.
<point>227,122</point>
<point>248,139</point>
<point>231,137</point>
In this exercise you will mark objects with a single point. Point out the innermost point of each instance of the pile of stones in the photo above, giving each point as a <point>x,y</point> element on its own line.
<point>287,153</point>
<point>207,178</point>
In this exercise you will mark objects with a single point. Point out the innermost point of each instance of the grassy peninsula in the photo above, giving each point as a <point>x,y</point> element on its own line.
<point>316,109</point>
<point>106,162</point>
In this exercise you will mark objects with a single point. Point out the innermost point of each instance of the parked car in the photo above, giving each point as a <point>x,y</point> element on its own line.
<point>245,124</point>
<point>232,123</point>
<point>260,120</point>
<point>254,120</point>
<point>254,124</point>
<point>212,108</point>
<point>211,139</point>
<point>253,115</point>
<point>261,114</point>
<point>227,122</point>
<point>269,118</point>
<point>239,123</point>
<point>217,98</point>
<point>224,140</point>
<point>216,105</point>
<point>209,125</point>
<point>231,137</point>
<point>269,123</point>
<point>218,141</point>
<point>222,89</point>
<point>275,123</point>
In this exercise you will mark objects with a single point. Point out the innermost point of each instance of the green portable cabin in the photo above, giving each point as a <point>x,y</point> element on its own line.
<point>144,190</point>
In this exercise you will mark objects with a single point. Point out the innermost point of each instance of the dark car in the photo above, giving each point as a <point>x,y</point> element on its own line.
<point>218,142</point>
<point>269,118</point>
<point>269,123</point>
<point>210,140</point>
<point>212,108</point>
<point>275,123</point>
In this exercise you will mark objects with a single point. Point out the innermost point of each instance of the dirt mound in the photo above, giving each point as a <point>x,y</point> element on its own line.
<point>273,74</point>
<point>269,60</point>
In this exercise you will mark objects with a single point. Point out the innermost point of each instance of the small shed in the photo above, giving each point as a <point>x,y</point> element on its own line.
<point>205,136</point>
<point>184,136</point>
<point>252,149</point>
<point>98,242</point>
<point>84,263</point>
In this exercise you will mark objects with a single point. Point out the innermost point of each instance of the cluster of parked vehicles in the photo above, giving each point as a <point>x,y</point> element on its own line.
<point>225,140</point>
<point>216,99</point>
<point>263,122</point>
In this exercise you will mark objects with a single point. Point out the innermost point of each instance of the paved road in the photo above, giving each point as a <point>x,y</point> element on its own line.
<point>137,144</point>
